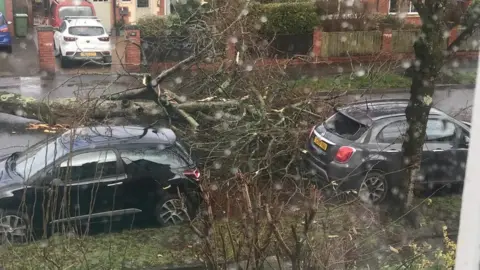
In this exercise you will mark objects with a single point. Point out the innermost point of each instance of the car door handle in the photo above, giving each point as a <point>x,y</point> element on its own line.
<point>437,150</point>
<point>114,184</point>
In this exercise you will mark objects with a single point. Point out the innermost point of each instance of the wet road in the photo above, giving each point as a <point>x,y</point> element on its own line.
<point>457,103</point>
<point>66,86</point>
<point>13,136</point>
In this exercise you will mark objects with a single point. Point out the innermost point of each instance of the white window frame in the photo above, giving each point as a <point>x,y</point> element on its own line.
<point>410,7</point>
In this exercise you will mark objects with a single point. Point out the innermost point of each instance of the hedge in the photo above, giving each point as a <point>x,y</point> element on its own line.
<point>285,18</point>
<point>153,26</point>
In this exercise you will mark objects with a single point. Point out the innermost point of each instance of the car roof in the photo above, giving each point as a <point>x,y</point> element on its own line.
<point>366,112</point>
<point>83,22</point>
<point>88,137</point>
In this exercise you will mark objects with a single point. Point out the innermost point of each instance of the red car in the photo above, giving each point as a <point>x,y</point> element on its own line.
<point>60,9</point>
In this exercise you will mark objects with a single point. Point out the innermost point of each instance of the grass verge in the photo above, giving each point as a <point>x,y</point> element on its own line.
<point>352,82</point>
<point>338,229</point>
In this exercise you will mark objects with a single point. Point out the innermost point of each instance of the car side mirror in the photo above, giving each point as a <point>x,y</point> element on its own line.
<point>9,22</point>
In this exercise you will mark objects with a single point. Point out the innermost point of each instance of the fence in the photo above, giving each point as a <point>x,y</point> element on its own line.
<point>326,47</point>
<point>472,43</point>
<point>351,43</point>
<point>402,41</point>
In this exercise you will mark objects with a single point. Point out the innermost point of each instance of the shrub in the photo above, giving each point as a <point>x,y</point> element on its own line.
<point>154,26</point>
<point>286,18</point>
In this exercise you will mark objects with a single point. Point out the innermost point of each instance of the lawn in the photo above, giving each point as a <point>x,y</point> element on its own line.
<point>140,248</point>
<point>353,82</point>
<point>132,249</point>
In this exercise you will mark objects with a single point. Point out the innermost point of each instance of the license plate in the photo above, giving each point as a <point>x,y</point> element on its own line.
<point>323,145</point>
<point>88,54</point>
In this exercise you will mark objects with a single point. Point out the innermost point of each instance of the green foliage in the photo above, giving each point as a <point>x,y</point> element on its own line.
<point>286,18</point>
<point>153,26</point>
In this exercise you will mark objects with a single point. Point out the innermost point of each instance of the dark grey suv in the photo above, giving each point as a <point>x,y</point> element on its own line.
<point>97,176</point>
<point>360,147</point>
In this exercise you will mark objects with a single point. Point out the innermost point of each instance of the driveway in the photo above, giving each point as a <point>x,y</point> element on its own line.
<point>23,61</point>
<point>118,49</point>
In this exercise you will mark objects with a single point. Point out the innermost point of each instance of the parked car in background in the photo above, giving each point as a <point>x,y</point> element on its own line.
<point>360,148</point>
<point>119,175</point>
<point>82,39</point>
<point>5,36</point>
<point>60,9</point>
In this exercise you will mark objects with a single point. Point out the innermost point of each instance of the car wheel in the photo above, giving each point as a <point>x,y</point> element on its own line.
<point>374,187</point>
<point>64,62</point>
<point>173,210</point>
<point>9,49</point>
<point>13,228</point>
<point>107,61</point>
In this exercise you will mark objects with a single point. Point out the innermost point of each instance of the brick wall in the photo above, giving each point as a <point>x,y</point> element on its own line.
<point>161,7</point>
<point>413,19</point>
<point>383,6</point>
<point>133,54</point>
<point>46,57</point>
<point>9,14</point>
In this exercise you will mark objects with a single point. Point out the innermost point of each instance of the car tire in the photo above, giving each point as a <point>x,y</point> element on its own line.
<point>107,61</point>
<point>9,49</point>
<point>14,227</point>
<point>174,210</point>
<point>374,187</point>
<point>64,62</point>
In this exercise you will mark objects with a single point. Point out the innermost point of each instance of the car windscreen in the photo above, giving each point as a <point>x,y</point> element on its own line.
<point>74,11</point>
<point>86,31</point>
<point>345,127</point>
<point>37,157</point>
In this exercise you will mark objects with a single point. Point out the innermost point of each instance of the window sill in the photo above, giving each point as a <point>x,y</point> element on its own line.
<point>409,14</point>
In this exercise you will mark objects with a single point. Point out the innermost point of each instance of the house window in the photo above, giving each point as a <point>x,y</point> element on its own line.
<point>402,5</point>
<point>142,3</point>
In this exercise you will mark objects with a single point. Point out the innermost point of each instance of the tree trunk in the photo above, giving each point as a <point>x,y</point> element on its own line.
<point>429,54</point>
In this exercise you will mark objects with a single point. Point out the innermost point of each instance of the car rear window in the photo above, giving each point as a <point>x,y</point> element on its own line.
<point>86,31</point>
<point>345,127</point>
<point>75,11</point>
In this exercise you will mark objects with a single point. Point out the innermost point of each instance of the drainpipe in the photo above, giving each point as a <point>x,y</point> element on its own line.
<point>114,6</point>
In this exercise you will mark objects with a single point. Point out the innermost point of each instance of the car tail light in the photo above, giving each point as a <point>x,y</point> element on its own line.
<point>4,30</point>
<point>106,53</point>
<point>69,53</point>
<point>104,38</point>
<point>344,154</point>
<point>193,173</point>
<point>69,38</point>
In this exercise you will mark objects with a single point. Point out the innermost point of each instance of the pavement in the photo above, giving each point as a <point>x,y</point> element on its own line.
<point>23,61</point>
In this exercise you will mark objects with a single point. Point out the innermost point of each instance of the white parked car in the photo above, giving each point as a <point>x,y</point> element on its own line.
<point>82,39</point>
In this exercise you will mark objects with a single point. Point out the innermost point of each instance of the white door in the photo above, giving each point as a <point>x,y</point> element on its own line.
<point>103,9</point>
<point>146,8</point>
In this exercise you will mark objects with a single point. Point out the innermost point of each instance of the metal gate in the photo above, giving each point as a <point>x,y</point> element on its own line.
<point>103,10</point>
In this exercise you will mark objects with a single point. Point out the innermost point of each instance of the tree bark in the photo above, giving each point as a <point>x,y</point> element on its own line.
<point>430,54</point>
<point>52,112</point>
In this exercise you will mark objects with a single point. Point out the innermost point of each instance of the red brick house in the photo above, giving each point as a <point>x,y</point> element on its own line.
<point>405,7</point>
